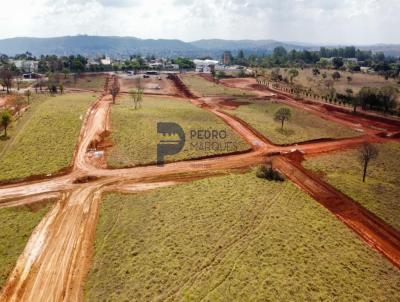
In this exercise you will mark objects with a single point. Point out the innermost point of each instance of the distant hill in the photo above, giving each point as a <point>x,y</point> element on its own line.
<point>264,45</point>
<point>96,45</point>
<point>125,46</point>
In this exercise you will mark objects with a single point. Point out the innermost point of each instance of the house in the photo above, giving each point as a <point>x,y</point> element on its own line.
<point>156,65</point>
<point>27,66</point>
<point>366,69</point>
<point>206,66</point>
<point>106,61</point>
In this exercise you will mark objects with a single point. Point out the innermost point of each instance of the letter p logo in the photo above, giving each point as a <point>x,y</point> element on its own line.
<point>172,142</point>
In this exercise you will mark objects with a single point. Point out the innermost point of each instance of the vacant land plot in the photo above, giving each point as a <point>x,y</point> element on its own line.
<point>358,80</point>
<point>303,126</point>
<point>87,81</point>
<point>44,139</point>
<point>134,132</point>
<point>380,194</point>
<point>17,225</point>
<point>231,238</point>
<point>203,87</point>
<point>154,84</point>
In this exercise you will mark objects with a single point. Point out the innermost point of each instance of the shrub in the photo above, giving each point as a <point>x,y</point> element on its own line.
<point>267,172</point>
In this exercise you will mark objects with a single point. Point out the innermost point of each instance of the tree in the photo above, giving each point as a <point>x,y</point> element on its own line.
<point>61,87</point>
<point>6,78</point>
<point>293,73</point>
<point>336,75</point>
<point>184,63</point>
<point>349,92</point>
<point>65,72</point>
<point>283,114</point>
<point>337,62</point>
<point>6,118</point>
<point>315,72</point>
<point>28,94</point>
<point>349,79</point>
<point>388,97</point>
<point>137,94</point>
<point>18,80</point>
<point>367,153</point>
<point>114,89</point>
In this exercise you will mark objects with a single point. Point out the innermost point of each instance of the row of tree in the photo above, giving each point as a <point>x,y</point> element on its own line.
<point>324,58</point>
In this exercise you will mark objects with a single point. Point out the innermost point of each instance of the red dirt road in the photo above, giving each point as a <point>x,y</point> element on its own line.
<point>56,259</point>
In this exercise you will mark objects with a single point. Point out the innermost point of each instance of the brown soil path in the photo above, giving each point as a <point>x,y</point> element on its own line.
<point>56,259</point>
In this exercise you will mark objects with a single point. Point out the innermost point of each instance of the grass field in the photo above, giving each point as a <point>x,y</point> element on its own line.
<point>43,140</point>
<point>231,238</point>
<point>134,132</point>
<point>202,87</point>
<point>380,194</point>
<point>17,225</point>
<point>303,125</point>
<point>91,82</point>
<point>359,80</point>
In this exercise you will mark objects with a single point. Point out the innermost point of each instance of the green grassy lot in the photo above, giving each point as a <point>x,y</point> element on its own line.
<point>17,225</point>
<point>134,132</point>
<point>381,192</point>
<point>91,82</point>
<point>231,238</point>
<point>202,87</point>
<point>303,126</point>
<point>43,140</point>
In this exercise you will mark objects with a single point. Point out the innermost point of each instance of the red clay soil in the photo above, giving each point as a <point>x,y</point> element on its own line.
<point>207,77</point>
<point>180,86</point>
<point>230,103</point>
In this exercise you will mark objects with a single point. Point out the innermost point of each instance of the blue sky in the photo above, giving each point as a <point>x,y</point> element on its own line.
<point>315,21</point>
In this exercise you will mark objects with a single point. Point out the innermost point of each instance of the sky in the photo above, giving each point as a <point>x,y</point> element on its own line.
<point>356,22</point>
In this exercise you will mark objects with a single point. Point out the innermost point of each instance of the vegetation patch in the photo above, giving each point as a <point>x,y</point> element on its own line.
<point>302,126</point>
<point>268,172</point>
<point>380,193</point>
<point>203,87</point>
<point>17,225</point>
<point>231,238</point>
<point>135,138</point>
<point>43,140</point>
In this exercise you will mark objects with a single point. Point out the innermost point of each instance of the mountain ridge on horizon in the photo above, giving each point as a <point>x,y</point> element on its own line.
<point>120,46</point>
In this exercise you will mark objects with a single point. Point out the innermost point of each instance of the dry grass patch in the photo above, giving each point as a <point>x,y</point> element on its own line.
<point>17,225</point>
<point>231,238</point>
<point>43,140</point>
<point>203,87</point>
<point>303,125</point>
<point>381,192</point>
<point>134,132</point>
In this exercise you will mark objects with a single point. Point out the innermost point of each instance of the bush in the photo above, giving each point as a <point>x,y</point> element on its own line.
<point>267,172</point>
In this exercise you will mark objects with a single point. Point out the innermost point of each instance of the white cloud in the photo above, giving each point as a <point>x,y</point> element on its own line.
<point>319,21</point>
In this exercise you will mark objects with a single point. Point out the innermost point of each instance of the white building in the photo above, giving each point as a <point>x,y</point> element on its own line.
<point>26,65</point>
<point>106,61</point>
<point>206,66</point>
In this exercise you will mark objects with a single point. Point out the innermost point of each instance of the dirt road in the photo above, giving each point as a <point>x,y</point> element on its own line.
<point>56,259</point>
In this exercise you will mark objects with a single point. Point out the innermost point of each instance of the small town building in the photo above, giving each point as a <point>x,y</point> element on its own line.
<point>106,61</point>
<point>27,66</point>
<point>206,66</point>
<point>227,58</point>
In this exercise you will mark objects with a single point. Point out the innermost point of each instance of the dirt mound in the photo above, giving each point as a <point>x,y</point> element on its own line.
<point>207,77</point>
<point>181,87</point>
<point>231,103</point>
